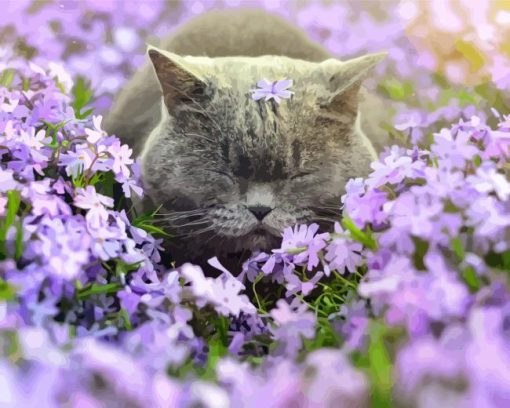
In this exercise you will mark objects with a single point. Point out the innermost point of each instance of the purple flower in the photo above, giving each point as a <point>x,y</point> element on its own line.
<point>334,379</point>
<point>453,150</point>
<point>488,355</point>
<point>355,325</point>
<point>223,292</point>
<point>304,244</point>
<point>295,285</point>
<point>89,199</point>
<point>498,146</point>
<point>7,181</point>
<point>129,300</point>
<point>63,246</point>
<point>34,140</point>
<point>489,217</point>
<point>487,180</point>
<point>342,252</point>
<point>293,323</point>
<point>78,161</point>
<point>363,204</point>
<point>121,158</point>
<point>252,266</point>
<point>96,134</point>
<point>275,90</point>
<point>393,169</point>
<point>427,360</point>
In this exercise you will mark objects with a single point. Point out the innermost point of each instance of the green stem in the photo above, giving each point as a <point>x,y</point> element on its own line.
<point>259,305</point>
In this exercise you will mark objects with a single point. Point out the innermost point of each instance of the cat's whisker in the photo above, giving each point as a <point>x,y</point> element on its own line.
<point>323,219</point>
<point>196,233</point>
<point>326,212</point>
<point>213,236</point>
<point>328,207</point>
<point>200,137</point>
<point>243,253</point>
<point>174,224</point>
<point>193,223</point>
<point>177,219</point>
<point>185,212</point>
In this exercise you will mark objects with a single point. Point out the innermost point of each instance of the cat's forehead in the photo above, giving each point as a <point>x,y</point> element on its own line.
<point>249,70</point>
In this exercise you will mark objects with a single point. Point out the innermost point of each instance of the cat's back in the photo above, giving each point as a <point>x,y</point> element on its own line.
<point>241,32</point>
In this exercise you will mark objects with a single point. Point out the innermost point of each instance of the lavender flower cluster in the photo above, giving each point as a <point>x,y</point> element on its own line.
<point>406,302</point>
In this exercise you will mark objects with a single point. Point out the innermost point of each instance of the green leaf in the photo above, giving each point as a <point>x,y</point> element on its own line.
<point>7,291</point>
<point>295,251</point>
<point>122,267</point>
<point>52,130</point>
<point>82,94</point>
<point>55,126</point>
<point>217,350</point>
<point>79,180</point>
<point>25,84</point>
<point>397,90</point>
<point>221,324</point>
<point>87,113</point>
<point>458,248</point>
<point>421,248</point>
<point>145,221</point>
<point>380,368</point>
<point>12,349</point>
<point>107,182</point>
<point>7,77</point>
<point>154,230</point>
<point>125,316</point>
<point>18,243</point>
<point>96,289</point>
<point>13,203</point>
<point>499,260</point>
<point>470,277</point>
<point>471,53</point>
<point>364,237</point>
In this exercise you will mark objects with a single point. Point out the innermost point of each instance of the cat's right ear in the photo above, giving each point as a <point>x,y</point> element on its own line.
<point>180,85</point>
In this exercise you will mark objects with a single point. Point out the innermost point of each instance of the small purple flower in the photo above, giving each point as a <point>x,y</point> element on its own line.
<point>306,242</point>
<point>77,161</point>
<point>272,90</point>
<point>295,285</point>
<point>293,322</point>
<point>7,181</point>
<point>223,292</point>
<point>96,134</point>
<point>343,253</point>
<point>88,199</point>
<point>121,155</point>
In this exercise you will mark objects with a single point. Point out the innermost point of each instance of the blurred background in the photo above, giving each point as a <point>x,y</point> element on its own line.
<point>447,58</point>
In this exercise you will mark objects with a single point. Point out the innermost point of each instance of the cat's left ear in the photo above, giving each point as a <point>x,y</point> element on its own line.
<point>180,83</point>
<point>343,80</point>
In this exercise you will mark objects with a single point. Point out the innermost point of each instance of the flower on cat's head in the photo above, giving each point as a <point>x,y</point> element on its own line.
<point>276,90</point>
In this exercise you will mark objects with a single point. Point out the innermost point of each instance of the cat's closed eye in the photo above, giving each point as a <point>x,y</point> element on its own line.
<point>224,175</point>
<point>301,176</point>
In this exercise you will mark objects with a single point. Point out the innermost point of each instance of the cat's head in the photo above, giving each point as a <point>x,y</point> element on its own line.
<point>233,172</point>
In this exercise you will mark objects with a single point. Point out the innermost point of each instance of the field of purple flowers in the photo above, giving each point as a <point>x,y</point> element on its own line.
<point>405,303</point>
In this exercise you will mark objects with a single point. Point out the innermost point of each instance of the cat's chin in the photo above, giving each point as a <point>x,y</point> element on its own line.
<point>257,240</point>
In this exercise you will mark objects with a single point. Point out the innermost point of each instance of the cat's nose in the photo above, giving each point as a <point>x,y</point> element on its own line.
<point>260,211</point>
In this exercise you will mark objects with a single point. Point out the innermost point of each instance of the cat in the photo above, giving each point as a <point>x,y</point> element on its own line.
<point>229,172</point>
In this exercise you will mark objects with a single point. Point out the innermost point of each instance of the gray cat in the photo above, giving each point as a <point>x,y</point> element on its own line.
<point>231,172</point>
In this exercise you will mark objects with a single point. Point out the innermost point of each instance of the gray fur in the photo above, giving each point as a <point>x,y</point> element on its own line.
<point>209,151</point>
